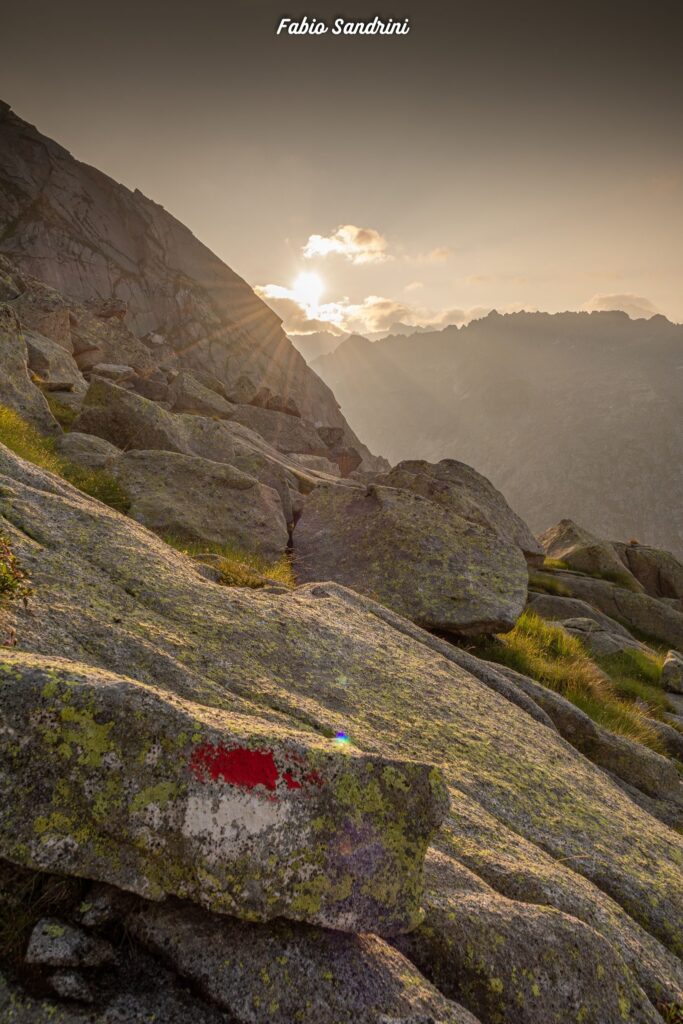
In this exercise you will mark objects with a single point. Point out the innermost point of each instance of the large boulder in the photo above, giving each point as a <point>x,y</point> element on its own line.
<point>191,498</point>
<point>660,572</point>
<point>581,550</point>
<point>463,490</point>
<point>418,557</point>
<point>53,364</point>
<point>280,973</point>
<point>110,779</point>
<point>16,389</point>
<point>530,816</point>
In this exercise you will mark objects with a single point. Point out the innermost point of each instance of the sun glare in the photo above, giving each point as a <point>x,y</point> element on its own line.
<point>308,288</point>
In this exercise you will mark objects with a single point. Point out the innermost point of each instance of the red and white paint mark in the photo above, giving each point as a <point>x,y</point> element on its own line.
<point>247,768</point>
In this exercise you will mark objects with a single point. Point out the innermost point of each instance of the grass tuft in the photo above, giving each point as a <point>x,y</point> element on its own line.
<point>547,653</point>
<point>26,442</point>
<point>554,563</point>
<point>14,584</point>
<point>238,568</point>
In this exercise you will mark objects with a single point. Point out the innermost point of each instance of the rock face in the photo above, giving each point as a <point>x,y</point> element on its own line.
<point>192,499</point>
<point>51,362</point>
<point>469,494</point>
<point>559,411</point>
<point>112,780</point>
<point>530,816</point>
<point>143,275</point>
<point>187,394</point>
<point>581,550</point>
<point>414,555</point>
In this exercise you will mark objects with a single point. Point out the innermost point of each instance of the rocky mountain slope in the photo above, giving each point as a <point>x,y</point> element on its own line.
<point>576,414</point>
<point>262,758</point>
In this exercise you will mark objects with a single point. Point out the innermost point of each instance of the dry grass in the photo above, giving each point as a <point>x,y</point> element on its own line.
<point>238,568</point>
<point>547,653</point>
<point>14,584</point>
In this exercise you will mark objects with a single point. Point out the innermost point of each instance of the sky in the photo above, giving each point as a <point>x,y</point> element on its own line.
<point>500,155</point>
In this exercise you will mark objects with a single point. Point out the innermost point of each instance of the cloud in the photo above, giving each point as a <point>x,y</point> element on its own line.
<point>359,245</point>
<point>441,254</point>
<point>635,305</point>
<point>414,286</point>
<point>374,314</point>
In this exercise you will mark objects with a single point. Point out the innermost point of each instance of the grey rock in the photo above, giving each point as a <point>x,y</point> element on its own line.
<point>418,557</point>
<point>86,449</point>
<point>284,432</point>
<point>187,394</point>
<point>672,672</point>
<point>118,372</point>
<point>56,944</point>
<point>71,985</point>
<point>198,500</point>
<point>558,609</point>
<point>469,494</point>
<point>660,572</point>
<point>598,640</point>
<point>583,551</point>
<point>279,973</point>
<point>53,364</point>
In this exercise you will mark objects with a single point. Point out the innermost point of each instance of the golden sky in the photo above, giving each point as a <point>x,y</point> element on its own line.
<point>508,156</point>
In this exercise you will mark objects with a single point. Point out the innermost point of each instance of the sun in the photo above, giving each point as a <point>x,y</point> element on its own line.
<point>308,288</point>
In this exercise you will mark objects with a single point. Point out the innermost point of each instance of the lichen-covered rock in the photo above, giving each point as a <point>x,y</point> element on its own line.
<point>56,944</point>
<point>316,463</point>
<point>16,389</point>
<point>557,609</point>
<point>282,972</point>
<point>516,963</point>
<point>193,499</point>
<point>418,557</point>
<point>583,551</point>
<point>660,572</point>
<point>108,779</point>
<point>53,364</point>
<point>463,490</point>
<point>672,672</point>
<point>639,611</point>
<point>529,815</point>
<point>187,394</point>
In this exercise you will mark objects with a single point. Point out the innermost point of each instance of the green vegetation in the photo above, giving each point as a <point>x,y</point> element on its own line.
<point>64,414</point>
<point>238,568</point>
<point>24,440</point>
<point>671,1013</point>
<point>14,585</point>
<point>548,584</point>
<point>554,563</point>
<point>637,676</point>
<point>547,653</point>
